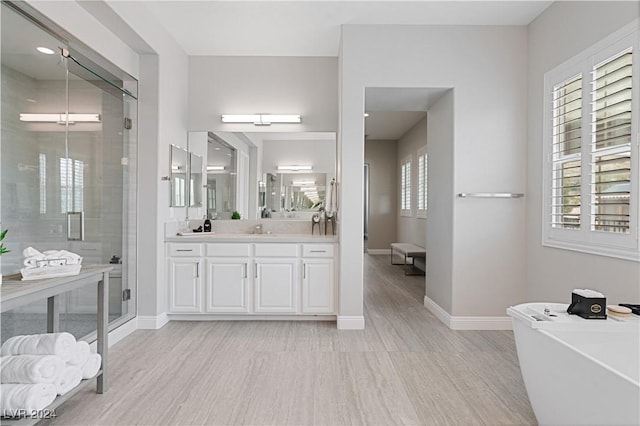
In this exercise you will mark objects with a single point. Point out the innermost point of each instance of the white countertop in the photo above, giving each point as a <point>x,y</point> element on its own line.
<point>208,237</point>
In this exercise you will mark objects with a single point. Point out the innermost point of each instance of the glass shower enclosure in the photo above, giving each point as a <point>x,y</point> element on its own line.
<point>68,167</point>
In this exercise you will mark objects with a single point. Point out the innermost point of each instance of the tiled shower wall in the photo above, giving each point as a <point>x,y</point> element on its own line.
<point>31,220</point>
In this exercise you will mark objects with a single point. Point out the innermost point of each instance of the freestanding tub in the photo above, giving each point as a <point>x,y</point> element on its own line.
<point>577,371</point>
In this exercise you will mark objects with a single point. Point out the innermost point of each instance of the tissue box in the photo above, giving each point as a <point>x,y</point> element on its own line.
<point>588,307</point>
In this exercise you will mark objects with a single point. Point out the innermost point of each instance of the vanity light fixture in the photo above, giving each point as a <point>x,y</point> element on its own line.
<point>261,119</point>
<point>294,168</point>
<point>211,168</point>
<point>366,114</point>
<point>303,182</point>
<point>60,118</point>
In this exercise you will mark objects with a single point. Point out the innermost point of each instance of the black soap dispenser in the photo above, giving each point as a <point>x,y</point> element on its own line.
<point>207,225</point>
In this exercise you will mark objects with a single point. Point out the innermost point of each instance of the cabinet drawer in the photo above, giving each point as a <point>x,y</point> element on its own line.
<point>317,250</point>
<point>185,250</point>
<point>228,250</point>
<point>276,250</point>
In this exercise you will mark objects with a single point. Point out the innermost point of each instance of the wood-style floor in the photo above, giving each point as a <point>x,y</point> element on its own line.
<point>405,368</point>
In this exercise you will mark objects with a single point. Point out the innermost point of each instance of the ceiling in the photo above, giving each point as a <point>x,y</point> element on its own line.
<point>312,28</point>
<point>288,28</point>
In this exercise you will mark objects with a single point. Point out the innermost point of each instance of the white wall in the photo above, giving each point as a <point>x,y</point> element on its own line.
<point>487,68</point>
<point>412,229</point>
<point>439,242</point>
<point>562,31</point>
<point>163,121</point>
<point>278,85</point>
<point>383,193</point>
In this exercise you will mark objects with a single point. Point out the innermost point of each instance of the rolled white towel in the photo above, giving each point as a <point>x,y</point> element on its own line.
<point>78,356</point>
<point>29,397</point>
<point>92,366</point>
<point>71,258</point>
<point>69,379</point>
<point>53,258</point>
<point>31,258</point>
<point>30,368</point>
<point>40,344</point>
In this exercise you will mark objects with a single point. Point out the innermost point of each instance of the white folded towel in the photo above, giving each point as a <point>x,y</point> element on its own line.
<point>31,397</point>
<point>92,366</point>
<point>78,356</point>
<point>29,274</point>
<point>32,258</point>
<point>40,344</point>
<point>30,368</point>
<point>69,379</point>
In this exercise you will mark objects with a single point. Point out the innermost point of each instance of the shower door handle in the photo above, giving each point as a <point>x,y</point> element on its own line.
<point>75,226</point>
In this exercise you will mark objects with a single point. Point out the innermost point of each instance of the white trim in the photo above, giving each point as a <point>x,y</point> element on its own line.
<point>379,252</point>
<point>467,322</point>
<point>152,322</point>
<point>117,334</point>
<point>350,322</point>
<point>248,317</point>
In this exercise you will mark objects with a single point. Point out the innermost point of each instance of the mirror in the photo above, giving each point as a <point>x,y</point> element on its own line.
<point>293,191</point>
<point>195,180</point>
<point>178,176</point>
<point>221,177</point>
<point>247,172</point>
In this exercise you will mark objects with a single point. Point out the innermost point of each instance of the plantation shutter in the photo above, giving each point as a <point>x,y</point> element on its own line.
<point>566,152</point>
<point>422,182</point>
<point>611,145</point>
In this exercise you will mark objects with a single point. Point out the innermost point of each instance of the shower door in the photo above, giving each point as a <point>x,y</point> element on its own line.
<point>67,183</point>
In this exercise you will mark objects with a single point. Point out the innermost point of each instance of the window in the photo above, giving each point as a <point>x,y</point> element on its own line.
<point>591,149</point>
<point>422,183</point>
<point>42,162</point>
<point>71,185</point>
<point>405,186</point>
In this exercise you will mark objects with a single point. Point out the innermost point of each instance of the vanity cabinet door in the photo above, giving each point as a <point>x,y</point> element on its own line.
<point>185,285</point>
<point>227,288</point>
<point>318,286</point>
<point>276,285</point>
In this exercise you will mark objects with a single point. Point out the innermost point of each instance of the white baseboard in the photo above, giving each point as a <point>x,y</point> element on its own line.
<point>350,322</point>
<point>152,322</point>
<point>379,252</point>
<point>248,317</point>
<point>467,322</point>
<point>118,334</point>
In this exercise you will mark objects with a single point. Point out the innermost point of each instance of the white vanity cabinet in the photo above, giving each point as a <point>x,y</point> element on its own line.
<point>251,278</point>
<point>227,279</point>
<point>276,278</point>
<point>185,278</point>
<point>318,279</point>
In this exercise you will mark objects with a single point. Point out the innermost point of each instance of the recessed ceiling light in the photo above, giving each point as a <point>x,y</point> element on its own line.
<point>366,114</point>
<point>45,50</point>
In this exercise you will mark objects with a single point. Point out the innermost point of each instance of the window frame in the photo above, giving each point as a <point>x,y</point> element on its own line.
<point>618,245</point>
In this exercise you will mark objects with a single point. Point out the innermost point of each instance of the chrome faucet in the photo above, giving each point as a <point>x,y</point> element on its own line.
<point>258,229</point>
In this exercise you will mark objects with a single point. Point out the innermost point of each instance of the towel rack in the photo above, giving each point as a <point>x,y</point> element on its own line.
<point>490,195</point>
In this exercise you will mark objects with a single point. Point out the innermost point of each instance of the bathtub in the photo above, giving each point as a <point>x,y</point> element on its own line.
<point>577,371</point>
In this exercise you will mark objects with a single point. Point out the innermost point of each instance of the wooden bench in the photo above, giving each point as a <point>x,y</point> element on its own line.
<point>408,250</point>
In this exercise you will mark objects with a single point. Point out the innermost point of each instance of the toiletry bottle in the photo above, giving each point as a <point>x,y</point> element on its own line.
<point>207,225</point>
